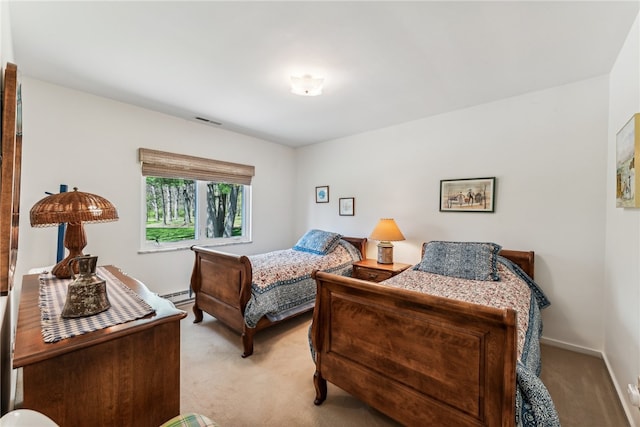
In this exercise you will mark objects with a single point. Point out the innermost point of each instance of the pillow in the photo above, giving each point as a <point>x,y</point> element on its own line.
<point>466,260</point>
<point>318,242</point>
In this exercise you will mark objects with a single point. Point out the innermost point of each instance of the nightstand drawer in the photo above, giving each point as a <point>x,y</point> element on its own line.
<point>370,274</point>
<point>371,270</point>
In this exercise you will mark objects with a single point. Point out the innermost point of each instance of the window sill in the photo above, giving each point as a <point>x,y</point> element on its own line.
<point>152,250</point>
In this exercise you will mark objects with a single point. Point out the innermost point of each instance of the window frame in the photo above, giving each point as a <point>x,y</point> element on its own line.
<point>168,165</point>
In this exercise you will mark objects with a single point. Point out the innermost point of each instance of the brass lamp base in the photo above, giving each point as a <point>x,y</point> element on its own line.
<point>87,294</point>
<point>385,253</point>
<point>85,299</point>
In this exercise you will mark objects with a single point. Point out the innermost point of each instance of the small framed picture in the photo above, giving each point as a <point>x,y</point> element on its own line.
<point>322,194</point>
<point>468,195</point>
<point>347,206</point>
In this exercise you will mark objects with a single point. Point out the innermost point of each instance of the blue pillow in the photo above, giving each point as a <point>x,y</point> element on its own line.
<point>318,242</point>
<point>466,260</point>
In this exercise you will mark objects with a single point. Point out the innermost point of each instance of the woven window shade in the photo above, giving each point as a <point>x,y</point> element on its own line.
<point>171,165</point>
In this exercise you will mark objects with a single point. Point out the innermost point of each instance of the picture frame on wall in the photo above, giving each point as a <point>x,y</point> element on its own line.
<point>322,194</point>
<point>468,195</point>
<point>627,152</point>
<point>347,206</point>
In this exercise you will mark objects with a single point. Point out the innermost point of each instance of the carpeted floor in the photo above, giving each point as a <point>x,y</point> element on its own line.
<point>581,389</point>
<point>274,386</point>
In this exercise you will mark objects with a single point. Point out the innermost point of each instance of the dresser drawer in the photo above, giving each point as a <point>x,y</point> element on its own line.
<point>370,274</point>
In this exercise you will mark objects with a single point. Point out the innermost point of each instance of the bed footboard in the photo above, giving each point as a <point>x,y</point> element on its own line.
<point>221,283</point>
<point>420,359</point>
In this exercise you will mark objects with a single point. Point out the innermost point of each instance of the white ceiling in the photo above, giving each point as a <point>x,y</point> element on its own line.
<point>384,63</point>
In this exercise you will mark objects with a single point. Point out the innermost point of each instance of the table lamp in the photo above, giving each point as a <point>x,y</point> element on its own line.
<point>385,232</point>
<point>73,208</point>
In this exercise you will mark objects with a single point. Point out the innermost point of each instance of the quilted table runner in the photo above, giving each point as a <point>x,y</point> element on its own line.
<point>126,306</point>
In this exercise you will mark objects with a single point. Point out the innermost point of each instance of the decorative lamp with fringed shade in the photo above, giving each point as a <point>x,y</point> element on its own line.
<point>73,208</point>
<point>386,231</point>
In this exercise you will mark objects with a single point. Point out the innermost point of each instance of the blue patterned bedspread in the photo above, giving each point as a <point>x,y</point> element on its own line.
<point>534,407</point>
<point>282,283</point>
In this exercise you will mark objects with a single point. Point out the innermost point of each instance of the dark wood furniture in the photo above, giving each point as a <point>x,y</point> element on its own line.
<point>420,359</point>
<point>373,271</point>
<point>127,374</point>
<point>10,172</point>
<point>221,283</point>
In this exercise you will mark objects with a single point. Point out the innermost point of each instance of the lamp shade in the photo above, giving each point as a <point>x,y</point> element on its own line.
<point>387,231</point>
<point>72,207</point>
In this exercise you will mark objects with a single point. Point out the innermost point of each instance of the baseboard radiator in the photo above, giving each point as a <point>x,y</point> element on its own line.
<point>180,298</point>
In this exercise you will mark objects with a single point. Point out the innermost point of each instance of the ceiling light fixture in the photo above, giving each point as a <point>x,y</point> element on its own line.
<point>306,85</point>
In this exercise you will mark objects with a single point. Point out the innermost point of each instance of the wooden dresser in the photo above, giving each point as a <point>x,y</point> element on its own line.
<point>126,375</point>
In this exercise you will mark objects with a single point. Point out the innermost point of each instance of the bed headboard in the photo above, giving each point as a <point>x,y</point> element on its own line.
<point>10,170</point>
<point>524,259</point>
<point>359,242</point>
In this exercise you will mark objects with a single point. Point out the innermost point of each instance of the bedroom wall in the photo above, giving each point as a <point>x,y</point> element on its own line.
<point>622,269</point>
<point>81,140</point>
<point>547,150</point>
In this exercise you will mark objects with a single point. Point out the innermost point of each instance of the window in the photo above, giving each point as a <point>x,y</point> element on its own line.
<point>191,200</point>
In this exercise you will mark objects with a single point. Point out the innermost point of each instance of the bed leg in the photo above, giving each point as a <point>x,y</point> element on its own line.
<point>247,341</point>
<point>321,388</point>
<point>198,313</point>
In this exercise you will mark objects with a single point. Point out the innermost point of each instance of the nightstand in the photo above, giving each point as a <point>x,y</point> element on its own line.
<point>371,270</point>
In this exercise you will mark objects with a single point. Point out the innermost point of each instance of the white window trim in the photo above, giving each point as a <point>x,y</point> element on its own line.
<point>201,240</point>
<point>170,165</point>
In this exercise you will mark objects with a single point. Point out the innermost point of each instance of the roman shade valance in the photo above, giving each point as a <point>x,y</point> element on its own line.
<point>171,165</point>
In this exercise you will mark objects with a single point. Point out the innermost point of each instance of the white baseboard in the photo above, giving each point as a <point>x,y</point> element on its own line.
<point>571,347</point>
<point>622,395</point>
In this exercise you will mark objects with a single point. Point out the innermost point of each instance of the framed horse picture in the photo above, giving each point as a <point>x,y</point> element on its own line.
<point>468,195</point>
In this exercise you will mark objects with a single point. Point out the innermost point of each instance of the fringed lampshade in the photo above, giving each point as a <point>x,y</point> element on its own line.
<point>73,208</point>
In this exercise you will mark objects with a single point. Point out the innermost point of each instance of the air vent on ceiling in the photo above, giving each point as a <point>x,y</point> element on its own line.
<point>213,122</point>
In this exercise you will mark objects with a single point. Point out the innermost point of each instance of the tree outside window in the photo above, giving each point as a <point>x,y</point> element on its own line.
<point>194,200</point>
<point>173,215</point>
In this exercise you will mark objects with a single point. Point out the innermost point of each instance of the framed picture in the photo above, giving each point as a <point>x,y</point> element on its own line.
<point>322,194</point>
<point>347,205</point>
<point>467,195</point>
<point>627,151</point>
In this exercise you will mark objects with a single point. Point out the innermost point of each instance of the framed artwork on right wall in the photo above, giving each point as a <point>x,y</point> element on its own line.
<point>627,152</point>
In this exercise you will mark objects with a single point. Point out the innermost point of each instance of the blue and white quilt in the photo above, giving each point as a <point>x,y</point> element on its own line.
<point>282,283</point>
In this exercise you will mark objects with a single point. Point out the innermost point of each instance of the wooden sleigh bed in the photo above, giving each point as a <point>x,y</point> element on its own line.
<point>222,284</point>
<point>418,358</point>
